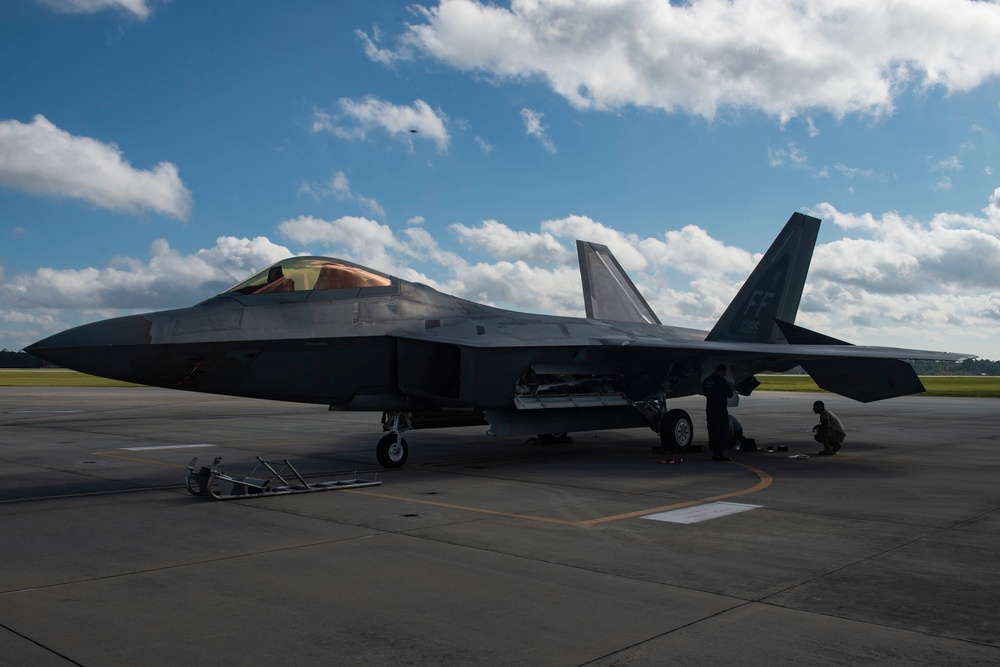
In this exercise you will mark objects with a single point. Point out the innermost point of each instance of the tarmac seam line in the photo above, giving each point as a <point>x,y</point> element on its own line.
<point>40,645</point>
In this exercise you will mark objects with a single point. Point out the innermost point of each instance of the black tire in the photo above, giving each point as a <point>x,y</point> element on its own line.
<point>677,431</point>
<point>392,451</point>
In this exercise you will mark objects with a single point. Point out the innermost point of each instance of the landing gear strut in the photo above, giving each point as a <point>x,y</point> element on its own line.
<point>392,450</point>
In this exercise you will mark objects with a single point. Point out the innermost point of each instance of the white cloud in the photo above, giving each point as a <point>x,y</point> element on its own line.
<point>365,241</point>
<point>502,242</point>
<point>534,128</point>
<point>951,163</point>
<point>811,128</point>
<point>374,51</point>
<point>139,8</point>
<point>167,279</point>
<point>944,184</point>
<point>784,57</point>
<point>408,123</point>
<point>950,254</point>
<point>42,159</point>
<point>692,251</point>
<point>792,156</point>
<point>339,187</point>
<point>484,146</point>
<point>854,172</point>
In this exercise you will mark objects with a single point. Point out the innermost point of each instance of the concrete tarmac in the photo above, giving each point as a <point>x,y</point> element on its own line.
<point>495,551</point>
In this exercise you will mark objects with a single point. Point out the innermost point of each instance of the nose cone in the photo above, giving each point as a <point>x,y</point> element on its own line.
<point>107,348</point>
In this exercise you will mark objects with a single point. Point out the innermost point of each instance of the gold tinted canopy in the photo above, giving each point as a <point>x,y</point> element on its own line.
<point>303,274</point>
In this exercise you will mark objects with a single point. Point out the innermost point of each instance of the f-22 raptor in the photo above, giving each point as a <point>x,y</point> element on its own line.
<point>328,331</point>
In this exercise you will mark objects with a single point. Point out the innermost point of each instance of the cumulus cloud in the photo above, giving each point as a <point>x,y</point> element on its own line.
<point>501,241</point>
<point>901,255</point>
<point>783,57</point>
<point>626,247</point>
<point>365,241</point>
<point>139,8</point>
<point>42,159</point>
<point>167,279</point>
<point>356,118</point>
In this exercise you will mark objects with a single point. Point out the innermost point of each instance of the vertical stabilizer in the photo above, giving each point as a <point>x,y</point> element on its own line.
<point>608,293</point>
<point>773,290</point>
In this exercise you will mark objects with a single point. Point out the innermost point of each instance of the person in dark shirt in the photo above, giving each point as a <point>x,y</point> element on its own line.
<point>717,394</point>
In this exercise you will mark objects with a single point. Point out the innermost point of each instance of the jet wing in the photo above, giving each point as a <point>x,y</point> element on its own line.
<point>645,362</point>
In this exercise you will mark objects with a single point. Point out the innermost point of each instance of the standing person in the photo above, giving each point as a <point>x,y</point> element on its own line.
<point>829,431</point>
<point>717,394</point>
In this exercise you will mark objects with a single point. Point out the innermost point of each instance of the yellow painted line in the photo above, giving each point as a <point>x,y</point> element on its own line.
<point>763,481</point>
<point>466,508</point>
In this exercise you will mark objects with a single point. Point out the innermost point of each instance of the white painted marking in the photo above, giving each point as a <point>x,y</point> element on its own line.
<point>139,449</point>
<point>701,512</point>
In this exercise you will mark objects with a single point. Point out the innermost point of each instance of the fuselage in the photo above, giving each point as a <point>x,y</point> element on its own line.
<point>389,346</point>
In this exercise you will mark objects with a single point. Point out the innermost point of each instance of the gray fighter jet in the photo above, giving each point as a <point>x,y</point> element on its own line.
<point>328,331</point>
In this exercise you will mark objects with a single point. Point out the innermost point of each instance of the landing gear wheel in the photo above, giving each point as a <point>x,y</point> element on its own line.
<point>392,451</point>
<point>676,431</point>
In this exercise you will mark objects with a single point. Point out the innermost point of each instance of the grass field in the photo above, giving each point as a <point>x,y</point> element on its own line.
<point>16,377</point>
<point>973,386</point>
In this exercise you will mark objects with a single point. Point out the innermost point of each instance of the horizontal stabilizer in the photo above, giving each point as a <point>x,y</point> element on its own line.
<point>608,292</point>
<point>864,380</point>
<point>796,335</point>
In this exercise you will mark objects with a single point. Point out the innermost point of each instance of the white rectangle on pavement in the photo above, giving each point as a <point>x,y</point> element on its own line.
<point>701,512</point>
<point>139,449</point>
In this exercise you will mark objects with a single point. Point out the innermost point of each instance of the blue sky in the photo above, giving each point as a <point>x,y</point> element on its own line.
<point>153,153</point>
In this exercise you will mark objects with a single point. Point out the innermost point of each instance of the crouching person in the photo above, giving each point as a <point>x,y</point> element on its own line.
<point>829,431</point>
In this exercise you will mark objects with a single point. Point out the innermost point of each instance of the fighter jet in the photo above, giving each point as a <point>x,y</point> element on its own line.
<point>328,331</point>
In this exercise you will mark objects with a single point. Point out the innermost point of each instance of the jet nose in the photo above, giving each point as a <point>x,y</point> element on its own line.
<point>106,348</point>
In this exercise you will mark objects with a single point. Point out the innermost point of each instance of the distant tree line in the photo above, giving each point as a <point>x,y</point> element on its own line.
<point>9,359</point>
<point>968,367</point>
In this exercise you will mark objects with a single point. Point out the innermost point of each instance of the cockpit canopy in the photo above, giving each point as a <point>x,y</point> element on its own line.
<point>303,274</point>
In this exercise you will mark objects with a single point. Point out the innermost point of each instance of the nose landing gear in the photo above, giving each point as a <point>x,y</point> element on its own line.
<point>392,450</point>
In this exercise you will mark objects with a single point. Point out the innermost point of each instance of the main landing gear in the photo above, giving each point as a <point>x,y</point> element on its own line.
<point>676,431</point>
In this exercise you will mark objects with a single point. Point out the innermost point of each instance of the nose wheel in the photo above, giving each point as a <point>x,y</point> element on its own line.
<point>392,451</point>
